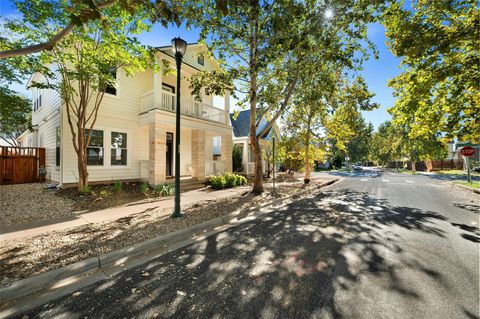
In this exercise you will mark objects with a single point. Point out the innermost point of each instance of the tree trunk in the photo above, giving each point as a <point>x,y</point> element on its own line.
<point>413,167</point>
<point>254,139</point>
<point>82,160</point>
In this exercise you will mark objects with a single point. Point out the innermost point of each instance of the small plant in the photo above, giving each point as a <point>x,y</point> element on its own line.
<point>164,190</point>
<point>230,180</point>
<point>86,190</point>
<point>241,180</point>
<point>104,193</point>
<point>117,186</point>
<point>144,187</point>
<point>217,182</point>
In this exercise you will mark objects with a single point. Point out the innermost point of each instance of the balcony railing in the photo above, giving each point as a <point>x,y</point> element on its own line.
<point>188,106</point>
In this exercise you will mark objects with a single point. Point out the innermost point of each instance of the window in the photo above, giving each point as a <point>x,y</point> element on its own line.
<point>110,88</point>
<point>119,149</point>
<point>95,148</point>
<point>37,100</point>
<point>201,59</point>
<point>57,146</point>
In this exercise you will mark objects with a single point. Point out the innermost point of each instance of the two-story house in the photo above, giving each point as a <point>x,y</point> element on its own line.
<point>133,138</point>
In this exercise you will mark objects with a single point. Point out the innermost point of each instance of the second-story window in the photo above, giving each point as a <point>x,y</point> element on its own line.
<point>37,100</point>
<point>110,88</point>
<point>95,148</point>
<point>201,59</point>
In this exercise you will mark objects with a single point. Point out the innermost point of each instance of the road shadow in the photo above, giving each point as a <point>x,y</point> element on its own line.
<point>472,208</point>
<point>294,262</point>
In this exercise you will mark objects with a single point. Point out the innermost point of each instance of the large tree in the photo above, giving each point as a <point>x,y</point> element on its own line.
<point>76,13</point>
<point>15,115</point>
<point>386,144</point>
<point>82,65</point>
<point>264,45</point>
<point>344,123</point>
<point>439,89</point>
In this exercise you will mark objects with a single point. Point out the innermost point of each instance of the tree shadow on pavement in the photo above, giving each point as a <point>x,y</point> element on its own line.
<point>472,208</point>
<point>328,256</point>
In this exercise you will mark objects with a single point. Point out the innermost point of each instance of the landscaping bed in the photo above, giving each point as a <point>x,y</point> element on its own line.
<point>24,203</point>
<point>22,258</point>
<point>106,196</point>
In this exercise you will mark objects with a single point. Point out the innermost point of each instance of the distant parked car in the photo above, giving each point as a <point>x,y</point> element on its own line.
<point>357,167</point>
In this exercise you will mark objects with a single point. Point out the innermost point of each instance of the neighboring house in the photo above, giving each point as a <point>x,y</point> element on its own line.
<point>241,138</point>
<point>454,152</point>
<point>133,138</point>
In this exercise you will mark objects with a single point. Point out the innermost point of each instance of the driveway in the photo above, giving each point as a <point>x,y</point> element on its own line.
<point>376,245</point>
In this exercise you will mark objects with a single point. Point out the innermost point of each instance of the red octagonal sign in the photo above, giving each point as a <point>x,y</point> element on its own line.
<point>467,151</point>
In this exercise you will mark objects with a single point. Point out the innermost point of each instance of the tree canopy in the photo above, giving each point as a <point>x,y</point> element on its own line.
<point>83,64</point>
<point>15,115</point>
<point>265,47</point>
<point>438,90</point>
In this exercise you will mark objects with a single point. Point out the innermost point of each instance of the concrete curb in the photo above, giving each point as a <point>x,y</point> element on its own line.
<point>26,294</point>
<point>475,190</point>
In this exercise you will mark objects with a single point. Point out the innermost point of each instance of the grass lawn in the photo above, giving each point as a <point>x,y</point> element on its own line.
<point>455,172</point>
<point>405,171</point>
<point>472,184</point>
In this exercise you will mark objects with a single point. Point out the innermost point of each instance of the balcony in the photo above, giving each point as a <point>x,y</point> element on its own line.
<point>188,106</point>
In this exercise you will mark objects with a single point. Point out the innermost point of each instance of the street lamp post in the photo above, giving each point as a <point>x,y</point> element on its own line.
<point>179,46</point>
<point>273,140</point>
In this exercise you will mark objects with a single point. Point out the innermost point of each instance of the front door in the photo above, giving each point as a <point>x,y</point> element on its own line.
<point>169,159</point>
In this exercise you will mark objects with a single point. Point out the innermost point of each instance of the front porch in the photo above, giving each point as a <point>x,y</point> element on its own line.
<point>205,150</point>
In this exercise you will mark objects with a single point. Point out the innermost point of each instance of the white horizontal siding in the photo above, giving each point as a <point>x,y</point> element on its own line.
<point>47,130</point>
<point>119,114</point>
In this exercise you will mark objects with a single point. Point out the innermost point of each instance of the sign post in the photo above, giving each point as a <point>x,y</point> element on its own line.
<point>468,152</point>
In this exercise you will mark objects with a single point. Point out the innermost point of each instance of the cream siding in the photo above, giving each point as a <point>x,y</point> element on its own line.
<point>116,114</point>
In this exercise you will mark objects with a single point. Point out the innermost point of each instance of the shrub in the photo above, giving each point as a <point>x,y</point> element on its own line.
<point>217,182</point>
<point>241,180</point>
<point>144,187</point>
<point>104,193</point>
<point>86,190</point>
<point>117,186</point>
<point>230,180</point>
<point>227,180</point>
<point>164,190</point>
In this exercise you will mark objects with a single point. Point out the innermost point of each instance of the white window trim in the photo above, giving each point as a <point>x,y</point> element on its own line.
<point>127,148</point>
<point>107,131</point>
<point>118,78</point>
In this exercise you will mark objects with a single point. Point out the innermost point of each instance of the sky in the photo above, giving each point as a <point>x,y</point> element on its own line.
<point>376,72</point>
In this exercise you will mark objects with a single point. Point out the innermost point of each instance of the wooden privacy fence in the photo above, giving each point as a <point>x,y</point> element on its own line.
<point>20,165</point>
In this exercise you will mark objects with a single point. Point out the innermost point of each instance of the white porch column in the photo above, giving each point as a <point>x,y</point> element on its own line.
<point>157,87</point>
<point>226,156</point>
<point>157,151</point>
<point>198,155</point>
<point>227,106</point>
<point>245,156</point>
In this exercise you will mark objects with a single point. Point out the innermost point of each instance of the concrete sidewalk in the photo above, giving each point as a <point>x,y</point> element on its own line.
<point>187,199</point>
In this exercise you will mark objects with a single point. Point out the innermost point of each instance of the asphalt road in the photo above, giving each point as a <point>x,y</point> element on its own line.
<point>375,245</point>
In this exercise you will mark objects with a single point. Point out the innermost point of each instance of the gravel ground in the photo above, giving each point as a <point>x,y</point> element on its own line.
<point>22,258</point>
<point>24,203</point>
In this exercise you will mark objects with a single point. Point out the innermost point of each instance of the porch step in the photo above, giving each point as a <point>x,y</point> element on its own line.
<point>187,184</point>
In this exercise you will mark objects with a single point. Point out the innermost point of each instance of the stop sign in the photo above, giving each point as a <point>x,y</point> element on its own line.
<point>467,151</point>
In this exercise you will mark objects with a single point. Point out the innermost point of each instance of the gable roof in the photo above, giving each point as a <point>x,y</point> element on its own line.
<point>241,125</point>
